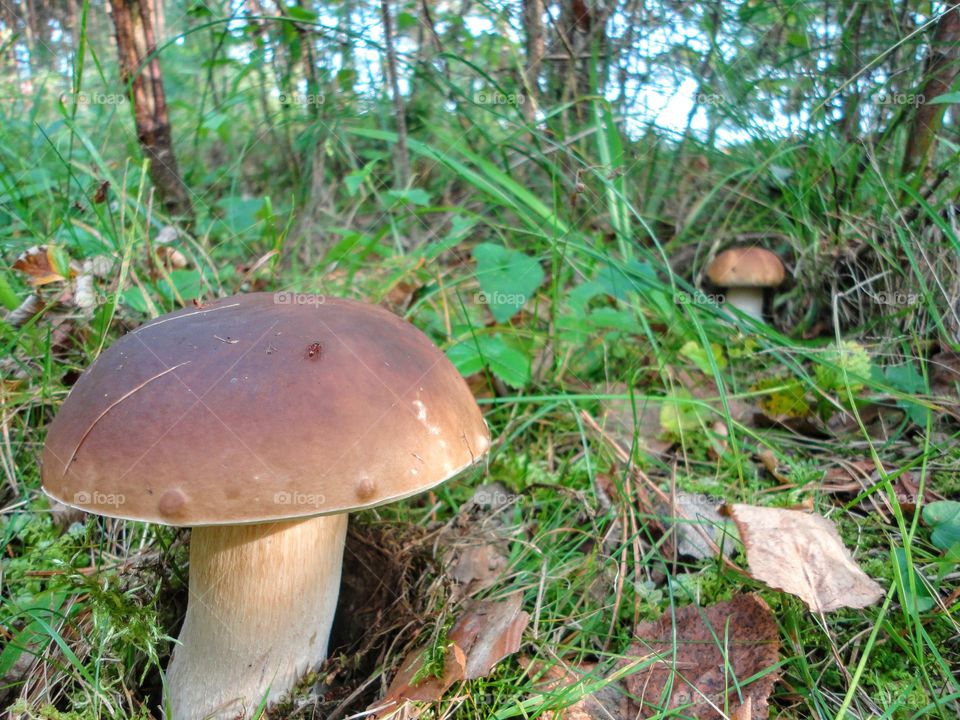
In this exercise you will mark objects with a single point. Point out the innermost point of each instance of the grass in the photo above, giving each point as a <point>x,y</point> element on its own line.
<point>89,605</point>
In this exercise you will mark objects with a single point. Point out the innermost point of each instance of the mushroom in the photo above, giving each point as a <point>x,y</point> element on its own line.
<point>745,273</point>
<point>260,421</point>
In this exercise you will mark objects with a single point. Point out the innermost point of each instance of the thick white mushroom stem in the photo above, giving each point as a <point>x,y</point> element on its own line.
<point>261,604</point>
<point>748,299</point>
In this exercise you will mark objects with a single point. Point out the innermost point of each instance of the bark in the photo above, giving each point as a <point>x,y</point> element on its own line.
<point>133,20</point>
<point>849,63</point>
<point>402,156</point>
<point>940,71</point>
<point>533,28</point>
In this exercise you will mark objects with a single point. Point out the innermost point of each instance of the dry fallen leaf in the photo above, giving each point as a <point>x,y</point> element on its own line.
<point>40,266</point>
<point>489,632</point>
<point>802,554</point>
<point>486,633</point>
<point>171,257</point>
<point>477,542</point>
<point>85,292</point>
<point>609,702</point>
<point>31,306</point>
<point>694,515</point>
<point>704,656</point>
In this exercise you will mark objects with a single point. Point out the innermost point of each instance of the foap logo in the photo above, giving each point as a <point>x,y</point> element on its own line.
<point>499,298</point>
<point>899,98</point>
<point>94,98</point>
<point>98,499</point>
<point>298,499</point>
<point>304,99</point>
<point>700,298</point>
<point>499,98</point>
<point>292,298</point>
<point>897,298</point>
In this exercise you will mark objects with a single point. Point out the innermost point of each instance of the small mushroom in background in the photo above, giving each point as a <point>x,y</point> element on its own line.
<point>260,421</point>
<point>745,273</point>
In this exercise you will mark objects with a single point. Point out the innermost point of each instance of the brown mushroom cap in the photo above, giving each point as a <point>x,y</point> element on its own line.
<point>262,407</point>
<point>746,267</point>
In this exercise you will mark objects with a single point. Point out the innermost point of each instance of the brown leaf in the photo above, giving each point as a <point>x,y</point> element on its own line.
<point>769,461</point>
<point>480,386</point>
<point>489,632</point>
<point>802,554</point>
<point>399,298</point>
<point>40,266</point>
<point>606,703</point>
<point>100,195</point>
<point>485,633</point>
<point>428,689</point>
<point>171,257</point>
<point>477,542</point>
<point>704,655</point>
<point>476,567</point>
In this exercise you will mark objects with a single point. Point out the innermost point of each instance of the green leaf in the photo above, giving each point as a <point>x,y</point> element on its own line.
<point>697,354</point>
<point>613,319</point>
<point>188,283</point>
<point>302,14</point>
<point>508,278</point>
<point>240,214</point>
<point>905,378</point>
<point>347,78</point>
<point>354,180</point>
<point>946,99</point>
<point>944,517</point>
<point>405,21</point>
<point>507,363</point>
<point>679,413</point>
<point>8,296</point>
<point>414,196</point>
<point>133,298</point>
<point>798,39</point>
<point>923,601</point>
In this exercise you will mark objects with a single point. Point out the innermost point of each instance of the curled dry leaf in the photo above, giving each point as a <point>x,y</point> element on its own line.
<point>39,265</point>
<point>85,292</point>
<point>695,518</point>
<point>172,257</point>
<point>30,306</point>
<point>701,658</point>
<point>486,633</point>
<point>803,554</point>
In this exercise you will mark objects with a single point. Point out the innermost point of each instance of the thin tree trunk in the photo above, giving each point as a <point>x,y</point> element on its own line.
<point>940,71</point>
<point>533,27</point>
<point>133,20</point>
<point>848,64</point>
<point>159,21</point>
<point>402,156</point>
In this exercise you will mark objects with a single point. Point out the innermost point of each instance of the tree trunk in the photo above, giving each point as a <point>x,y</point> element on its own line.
<point>133,20</point>
<point>533,27</point>
<point>848,64</point>
<point>401,155</point>
<point>940,72</point>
